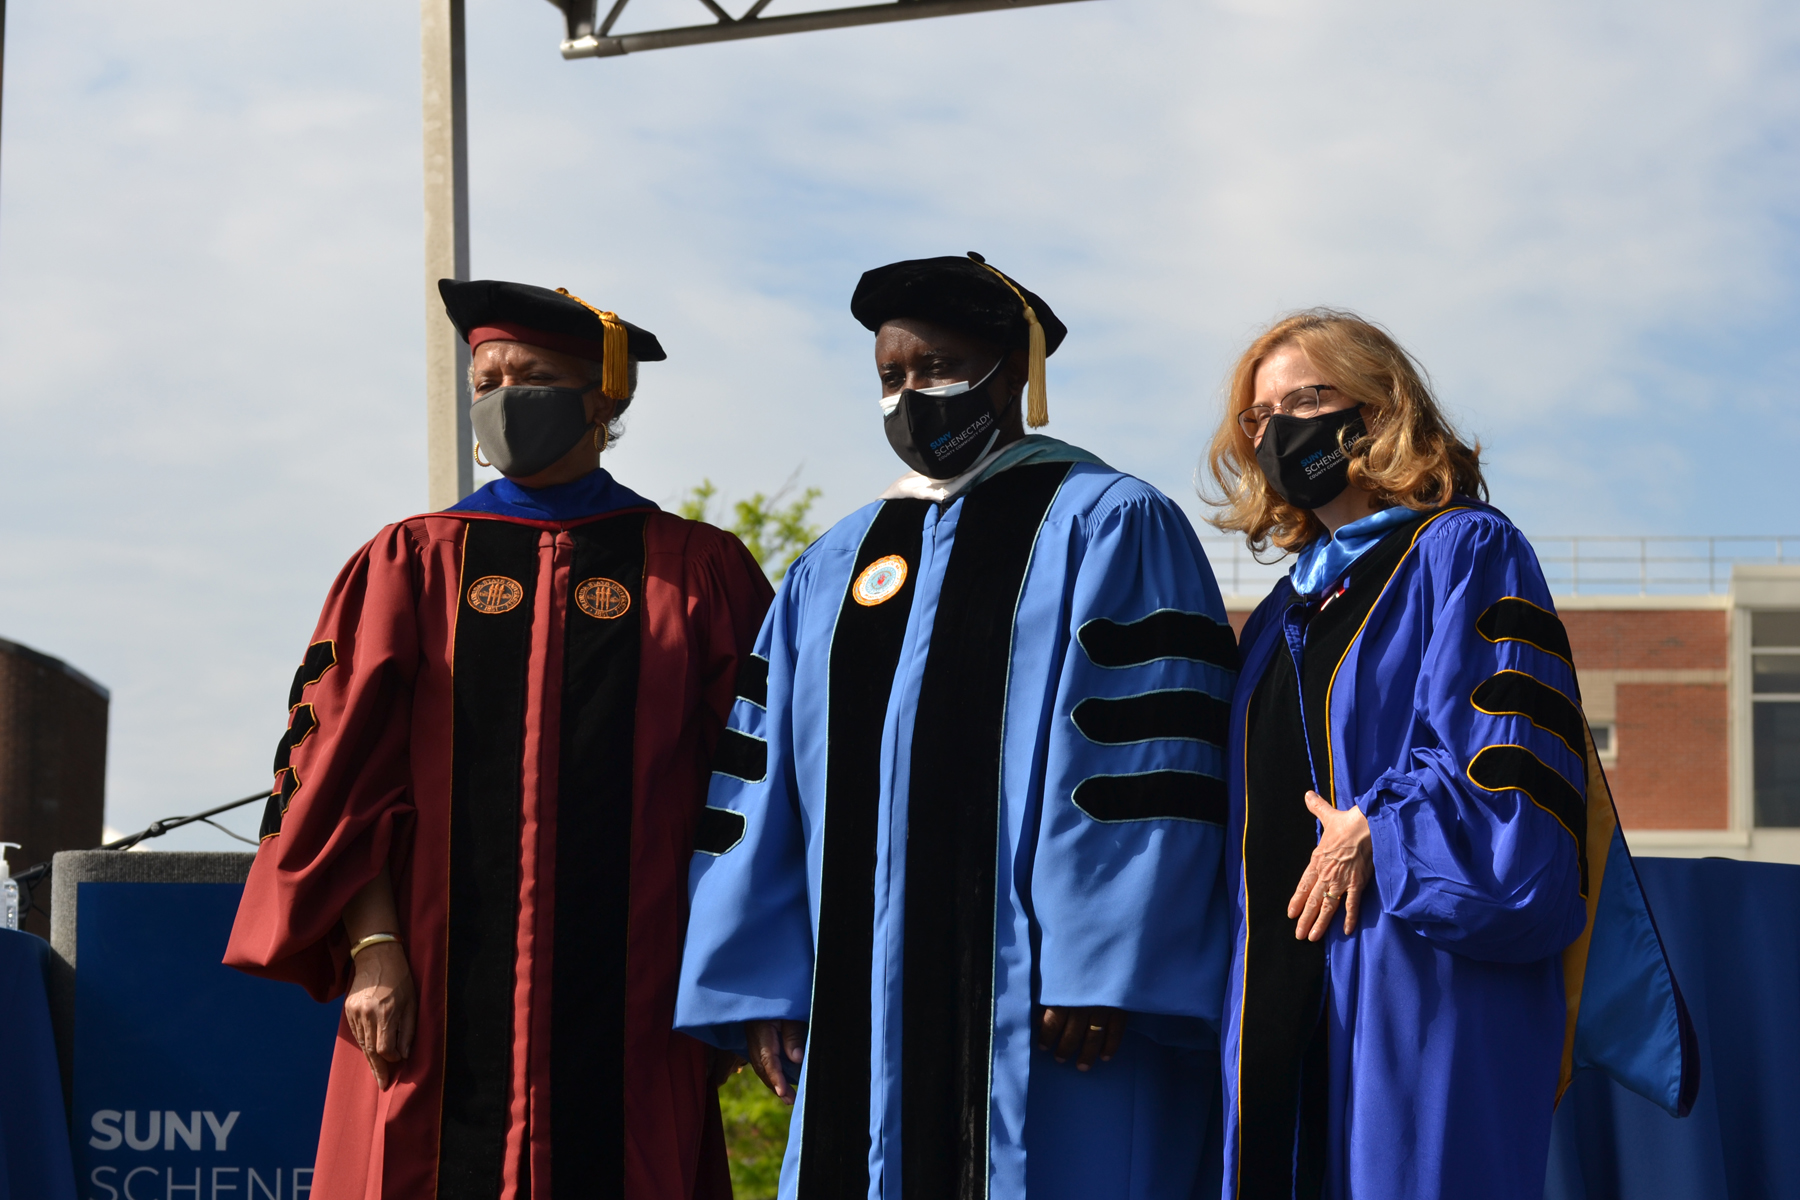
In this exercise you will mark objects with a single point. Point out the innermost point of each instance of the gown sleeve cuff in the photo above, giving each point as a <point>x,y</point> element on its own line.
<point>1381,806</point>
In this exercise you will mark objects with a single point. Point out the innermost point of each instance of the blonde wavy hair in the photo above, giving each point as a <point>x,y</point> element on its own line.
<point>1411,456</point>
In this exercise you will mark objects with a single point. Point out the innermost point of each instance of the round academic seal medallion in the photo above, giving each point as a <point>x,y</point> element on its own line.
<point>495,594</point>
<point>879,581</point>
<point>602,598</point>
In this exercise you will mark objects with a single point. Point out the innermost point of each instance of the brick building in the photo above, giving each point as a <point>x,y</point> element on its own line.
<point>52,759</point>
<point>1694,700</point>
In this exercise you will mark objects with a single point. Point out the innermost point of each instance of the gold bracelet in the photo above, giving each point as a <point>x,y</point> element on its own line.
<point>374,939</point>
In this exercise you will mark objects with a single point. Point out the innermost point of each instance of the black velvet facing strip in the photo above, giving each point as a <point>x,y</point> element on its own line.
<point>593,868</point>
<point>742,757</point>
<point>1514,620</point>
<point>320,658</point>
<point>1153,796</point>
<point>1506,768</point>
<point>1514,693</point>
<point>1165,634</point>
<point>719,831</point>
<point>1175,713</point>
<point>953,813</point>
<point>865,652</point>
<point>1283,977</point>
<point>492,652</point>
<point>1283,1052</point>
<point>753,680</point>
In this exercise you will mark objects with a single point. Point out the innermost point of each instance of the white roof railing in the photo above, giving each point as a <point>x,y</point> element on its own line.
<point>1651,566</point>
<point>1573,565</point>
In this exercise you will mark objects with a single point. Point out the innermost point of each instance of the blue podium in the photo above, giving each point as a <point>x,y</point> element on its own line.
<point>34,1143</point>
<point>1733,934</point>
<point>190,1081</point>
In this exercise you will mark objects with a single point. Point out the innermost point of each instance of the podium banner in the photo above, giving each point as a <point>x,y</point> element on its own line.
<point>192,1081</point>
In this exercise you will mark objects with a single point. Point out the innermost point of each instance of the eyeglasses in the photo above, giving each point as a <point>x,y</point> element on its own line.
<point>1301,402</point>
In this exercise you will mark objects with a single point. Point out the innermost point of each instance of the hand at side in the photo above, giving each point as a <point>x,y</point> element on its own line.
<point>381,1009</point>
<point>1342,865</point>
<point>1087,1033</point>
<point>769,1042</point>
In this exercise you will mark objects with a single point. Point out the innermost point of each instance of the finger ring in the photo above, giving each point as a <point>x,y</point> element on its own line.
<point>1331,897</point>
<point>1096,1029</point>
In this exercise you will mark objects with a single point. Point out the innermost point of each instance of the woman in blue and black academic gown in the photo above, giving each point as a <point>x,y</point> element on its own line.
<point>1430,871</point>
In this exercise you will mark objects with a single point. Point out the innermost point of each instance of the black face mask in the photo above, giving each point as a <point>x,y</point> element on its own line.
<point>523,430</point>
<point>1302,458</point>
<point>941,436</point>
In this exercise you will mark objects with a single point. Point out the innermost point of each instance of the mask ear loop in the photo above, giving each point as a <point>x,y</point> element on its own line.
<point>989,377</point>
<point>982,387</point>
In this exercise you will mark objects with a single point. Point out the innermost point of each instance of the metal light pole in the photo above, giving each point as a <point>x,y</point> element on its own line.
<point>450,469</point>
<point>2,46</point>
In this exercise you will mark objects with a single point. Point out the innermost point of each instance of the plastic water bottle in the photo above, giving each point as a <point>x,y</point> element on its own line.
<point>9,890</point>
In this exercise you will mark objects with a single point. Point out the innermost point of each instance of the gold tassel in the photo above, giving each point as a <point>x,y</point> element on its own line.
<point>1037,401</point>
<point>615,366</point>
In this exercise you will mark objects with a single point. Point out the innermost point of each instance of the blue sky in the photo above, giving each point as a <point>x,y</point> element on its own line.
<point>1583,219</point>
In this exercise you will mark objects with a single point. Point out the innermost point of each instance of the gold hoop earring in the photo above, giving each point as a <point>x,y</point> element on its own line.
<point>478,459</point>
<point>601,438</point>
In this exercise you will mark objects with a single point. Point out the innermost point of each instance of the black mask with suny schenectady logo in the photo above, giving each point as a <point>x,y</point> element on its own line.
<point>941,432</point>
<point>1304,458</point>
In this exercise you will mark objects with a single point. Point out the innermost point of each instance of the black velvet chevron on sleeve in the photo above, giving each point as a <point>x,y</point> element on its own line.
<point>742,757</point>
<point>753,680</point>
<point>300,727</point>
<point>1514,693</point>
<point>320,658</point>
<point>1512,619</point>
<point>1164,634</point>
<point>1504,768</point>
<point>1183,713</point>
<point>286,784</point>
<point>720,830</point>
<point>1153,796</point>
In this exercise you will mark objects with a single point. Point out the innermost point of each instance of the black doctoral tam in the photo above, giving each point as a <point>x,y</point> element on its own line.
<point>964,294</point>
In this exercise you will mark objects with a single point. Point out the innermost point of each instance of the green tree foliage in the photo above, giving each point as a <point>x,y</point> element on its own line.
<point>773,534</point>
<point>756,1133</point>
<point>756,1123</point>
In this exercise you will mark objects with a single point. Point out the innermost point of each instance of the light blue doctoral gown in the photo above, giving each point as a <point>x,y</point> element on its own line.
<point>1122,905</point>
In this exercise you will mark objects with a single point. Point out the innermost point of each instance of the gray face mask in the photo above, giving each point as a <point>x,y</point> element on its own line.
<point>522,430</point>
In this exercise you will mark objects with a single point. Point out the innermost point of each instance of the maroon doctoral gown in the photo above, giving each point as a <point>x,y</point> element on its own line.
<point>516,718</point>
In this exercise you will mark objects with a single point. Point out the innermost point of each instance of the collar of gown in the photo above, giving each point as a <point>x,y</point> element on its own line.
<point>595,493</point>
<point>1033,448</point>
<point>1330,556</point>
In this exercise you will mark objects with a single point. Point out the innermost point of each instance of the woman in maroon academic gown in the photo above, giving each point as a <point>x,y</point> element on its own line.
<point>497,752</point>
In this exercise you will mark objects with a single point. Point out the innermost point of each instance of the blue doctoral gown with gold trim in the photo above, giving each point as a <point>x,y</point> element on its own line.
<point>978,769</point>
<point>1504,943</point>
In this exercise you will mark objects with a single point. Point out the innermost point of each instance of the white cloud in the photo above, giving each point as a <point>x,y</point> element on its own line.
<point>1582,220</point>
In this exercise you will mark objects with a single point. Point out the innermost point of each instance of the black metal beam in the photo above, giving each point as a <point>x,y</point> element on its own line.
<point>584,42</point>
